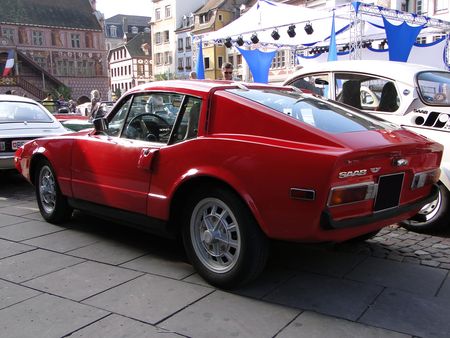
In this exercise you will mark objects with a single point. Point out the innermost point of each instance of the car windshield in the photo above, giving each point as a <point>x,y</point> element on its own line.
<point>313,111</point>
<point>434,87</point>
<point>13,112</point>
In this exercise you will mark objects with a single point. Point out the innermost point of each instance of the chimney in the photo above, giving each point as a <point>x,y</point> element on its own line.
<point>125,25</point>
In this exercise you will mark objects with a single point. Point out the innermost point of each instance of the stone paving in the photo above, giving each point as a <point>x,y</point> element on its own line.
<point>93,278</point>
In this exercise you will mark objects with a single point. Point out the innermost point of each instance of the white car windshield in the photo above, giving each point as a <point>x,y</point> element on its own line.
<point>14,112</point>
<point>434,87</point>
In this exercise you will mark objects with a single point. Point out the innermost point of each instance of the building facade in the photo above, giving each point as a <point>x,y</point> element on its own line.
<point>54,44</point>
<point>167,17</point>
<point>118,27</point>
<point>183,53</point>
<point>130,64</point>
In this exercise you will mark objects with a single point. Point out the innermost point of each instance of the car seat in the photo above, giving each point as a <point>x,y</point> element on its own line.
<point>351,93</point>
<point>388,99</point>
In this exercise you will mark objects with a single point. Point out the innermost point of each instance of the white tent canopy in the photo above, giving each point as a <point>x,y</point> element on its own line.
<point>265,16</point>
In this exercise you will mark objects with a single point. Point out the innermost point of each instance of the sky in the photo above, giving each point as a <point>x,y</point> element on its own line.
<point>131,7</point>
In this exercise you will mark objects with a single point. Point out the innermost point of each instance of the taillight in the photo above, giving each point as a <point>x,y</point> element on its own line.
<point>425,178</point>
<point>351,193</point>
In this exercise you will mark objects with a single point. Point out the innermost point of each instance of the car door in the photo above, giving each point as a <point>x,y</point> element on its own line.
<point>114,169</point>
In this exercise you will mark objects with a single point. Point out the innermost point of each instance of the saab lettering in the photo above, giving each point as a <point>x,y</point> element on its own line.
<point>345,174</point>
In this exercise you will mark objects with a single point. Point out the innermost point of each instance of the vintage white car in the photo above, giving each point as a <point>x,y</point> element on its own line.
<point>416,97</point>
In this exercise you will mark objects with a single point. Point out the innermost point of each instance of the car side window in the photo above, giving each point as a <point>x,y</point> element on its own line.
<point>152,116</point>
<point>366,92</point>
<point>187,127</point>
<point>313,84</point>
<point>115,125</point>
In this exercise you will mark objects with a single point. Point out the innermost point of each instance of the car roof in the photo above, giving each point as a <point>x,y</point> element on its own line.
<point>402,71</point>
<point>201,86</point>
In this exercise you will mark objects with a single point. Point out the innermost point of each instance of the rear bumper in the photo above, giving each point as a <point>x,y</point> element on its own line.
<point>7,161</point>
<point>327,223</point>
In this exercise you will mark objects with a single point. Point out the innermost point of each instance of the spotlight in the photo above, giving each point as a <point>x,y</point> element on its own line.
<point>240,41</point>
<point>254,38</point>
<point>228,43</point>
<point>291,31</point>
<point>309,29</point>
<point>275,35</point>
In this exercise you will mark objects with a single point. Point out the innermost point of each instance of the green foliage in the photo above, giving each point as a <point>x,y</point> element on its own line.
<point>62,90</point>
<point>117,93</point>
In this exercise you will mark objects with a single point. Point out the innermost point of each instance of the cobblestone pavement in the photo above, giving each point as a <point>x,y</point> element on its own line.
<point>90,278</point>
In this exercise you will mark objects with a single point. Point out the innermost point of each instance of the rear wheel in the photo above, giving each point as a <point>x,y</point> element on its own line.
<point>52,203</point>
<point>222,238</point>
<point>433,216</point>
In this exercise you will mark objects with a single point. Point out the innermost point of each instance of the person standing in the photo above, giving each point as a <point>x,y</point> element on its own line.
<point>227,71</point>
<point>95,110</point>
<point>192,75</point>
<point>48,103</point>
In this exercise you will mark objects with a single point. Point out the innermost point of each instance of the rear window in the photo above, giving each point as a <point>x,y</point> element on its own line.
<point>316,112</point>
<point>434,87</point>
<point>12,112</point>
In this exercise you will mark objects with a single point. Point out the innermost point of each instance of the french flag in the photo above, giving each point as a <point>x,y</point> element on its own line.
<point>9,63</point>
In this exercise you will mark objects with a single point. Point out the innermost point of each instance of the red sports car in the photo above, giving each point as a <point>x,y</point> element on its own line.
<point>229,166</point>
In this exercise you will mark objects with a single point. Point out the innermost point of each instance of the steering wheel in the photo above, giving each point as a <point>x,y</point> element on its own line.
<point>151,132</point>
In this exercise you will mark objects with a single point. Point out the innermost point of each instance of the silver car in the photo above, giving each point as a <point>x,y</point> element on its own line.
<point>21,120</point>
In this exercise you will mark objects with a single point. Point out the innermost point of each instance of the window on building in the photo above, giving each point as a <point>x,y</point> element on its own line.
<point>140,69</point>
<point>279,61</point>
<point>8,33</point>
<point>89,40</point>
<point>134,30</point>
<point>180,64</point>
<point>129,69</point>
<point>166,37</point>
<point>220,17</point>
<point>230,59</point>
<point>158,57</point>
<point>440,5</point>
<point>421,40</point>
<point>41,61</point>
<point>203,18</point>
<point>167,58</point>
<point>37,38</point>
<point>75,40</point>
<point>188,43</point>
<point>188,63</point>
<point>207,65</point>
<point>239,59</point>
<point>438,37</point>
<point>113,31</point>
<point>158,14</point>
<point>219,61</point>
<point>421,7</point>
<point>180,44</point>
<point>158,38</point>
<point>167,11</point>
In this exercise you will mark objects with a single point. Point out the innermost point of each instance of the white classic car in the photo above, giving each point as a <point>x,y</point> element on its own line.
<point>21,120</point>
<point>416,97</point>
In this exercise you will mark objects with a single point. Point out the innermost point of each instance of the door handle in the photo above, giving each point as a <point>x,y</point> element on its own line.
<point>146,158</point>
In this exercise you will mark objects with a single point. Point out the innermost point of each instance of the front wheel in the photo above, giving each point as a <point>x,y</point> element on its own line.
<point>222,239</point>
<point>52,203</point>
<point>433,216</point>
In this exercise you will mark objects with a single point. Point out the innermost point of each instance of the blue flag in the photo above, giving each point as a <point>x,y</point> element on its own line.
<point>200,67</point>
<point>332,50</point>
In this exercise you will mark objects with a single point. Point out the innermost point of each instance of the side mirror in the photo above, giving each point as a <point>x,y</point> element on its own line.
<point>100,124</point>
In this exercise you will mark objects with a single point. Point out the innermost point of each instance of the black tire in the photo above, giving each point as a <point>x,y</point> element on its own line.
<point>52,203</point>
<point>232,253</point>
<point>433,217</point>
